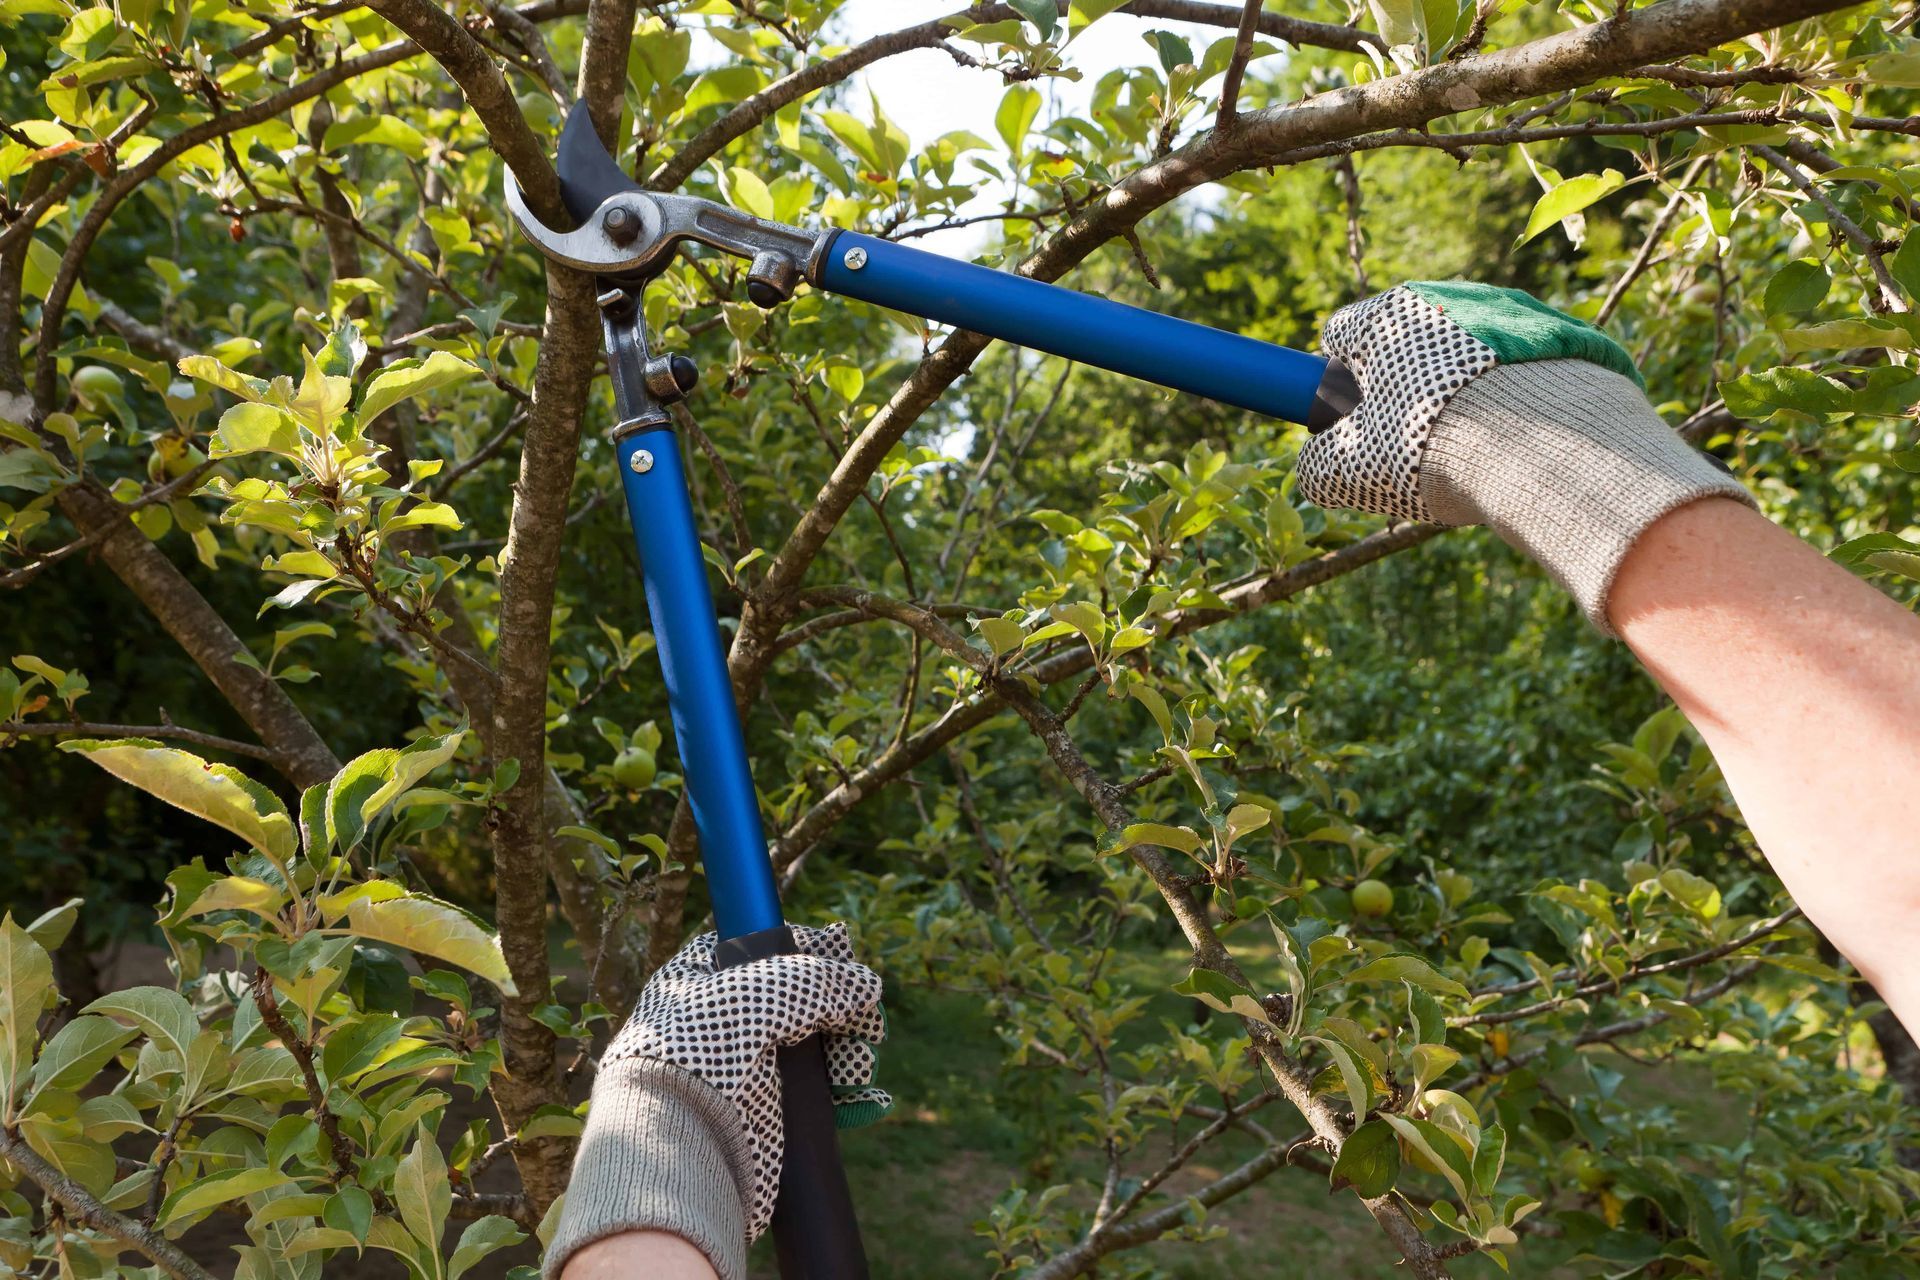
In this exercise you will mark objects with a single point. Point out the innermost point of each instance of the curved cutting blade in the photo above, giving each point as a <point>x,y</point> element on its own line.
<point>588,175</point>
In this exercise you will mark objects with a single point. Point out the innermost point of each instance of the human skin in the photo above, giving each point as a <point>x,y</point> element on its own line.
<point>656,1255</point>
<point>1805,683</point>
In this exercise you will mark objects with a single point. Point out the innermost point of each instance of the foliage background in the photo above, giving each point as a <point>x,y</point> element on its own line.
<point>1038,693</point>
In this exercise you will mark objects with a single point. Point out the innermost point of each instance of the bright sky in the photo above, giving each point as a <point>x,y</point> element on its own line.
<point>927,94</point>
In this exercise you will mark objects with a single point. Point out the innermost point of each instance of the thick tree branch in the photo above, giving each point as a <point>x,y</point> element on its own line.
<point>520,835</point>
<point>296,748</point>
<point>758,108</point>
<point>603,66</point>
<point>486,90</point>
<point>81,1207</point>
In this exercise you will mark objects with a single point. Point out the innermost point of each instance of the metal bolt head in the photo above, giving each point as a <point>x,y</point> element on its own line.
<point>640,462</point>
<point>621,224</point>
<point>856,258</point>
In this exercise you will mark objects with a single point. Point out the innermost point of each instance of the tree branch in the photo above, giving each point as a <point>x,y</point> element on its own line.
<point>758,108</point>
<point>1610,983</point>
<point>73,728</point>
<point>1237,66</point>
<point>1863,244</point>
<point>81,1206</point>
<point>486,90</point>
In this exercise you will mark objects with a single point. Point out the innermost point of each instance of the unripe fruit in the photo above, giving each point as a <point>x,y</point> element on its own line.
<point>634,769</point>
<point>1579,1164</point>
<point>1372,898</point>
<point>95,384</point>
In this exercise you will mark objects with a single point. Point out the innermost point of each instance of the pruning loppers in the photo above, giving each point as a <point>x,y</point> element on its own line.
<point>627,236</point>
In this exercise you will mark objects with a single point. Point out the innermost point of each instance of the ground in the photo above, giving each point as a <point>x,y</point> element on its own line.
<point>930,1171</point>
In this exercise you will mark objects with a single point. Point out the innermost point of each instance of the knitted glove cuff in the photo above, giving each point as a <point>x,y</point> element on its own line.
<point>663,1153</point>
<point>1568,462</point>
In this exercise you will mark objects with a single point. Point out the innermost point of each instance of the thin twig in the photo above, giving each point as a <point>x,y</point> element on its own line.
<point>1889,299</point>
<point>1237,66</point>
<point>74,728</point>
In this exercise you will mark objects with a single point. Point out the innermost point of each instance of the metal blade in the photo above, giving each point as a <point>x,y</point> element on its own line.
<point>588,175</point>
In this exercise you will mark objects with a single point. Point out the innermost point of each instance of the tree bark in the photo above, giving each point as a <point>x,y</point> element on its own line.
<point>298,751</point>
<point>521,836</point>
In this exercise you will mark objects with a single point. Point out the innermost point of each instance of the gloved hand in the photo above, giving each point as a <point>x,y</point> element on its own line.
<point>1481,405</point>
<point>684,1131</point>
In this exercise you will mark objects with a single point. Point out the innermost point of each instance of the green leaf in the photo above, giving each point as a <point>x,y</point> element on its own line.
<point>430,927</point>
<point>480,1239</point>
<point>1153,833</point>
<point>219,793</point>
<point>1845,335</point>
<point>374,131</point>
<point>1217,991</point>
<point>51,927</point>
<point>1043,14</point>
<point>1397,20</point>
<point>1905,266</point>
<point>1352,1074</point>
<point>1406,969</point>
<point>1798,287</point>
<point>215,1189</point>
<point>163,1014</point>
<point>1489,1155</point>
<point>207,369</point>
<point>249,427</point>
<point>1440,1149</point>
<point>1174,52</point>
<point>350,1210</point>
<point>1369,1160</point>
<point>1569,198</point>
<point>1885,551</point>
<point>91,33</point>
<point>1428,1022</point>
<point>1003,635</point>
<point>845,381</point>
<point>725,84</point>
<point>1019,107</point>
<point>1697,895</point>
<point>423,1194</point>
<point>423,515</point>
<point>1245,818</point>
<point>369,783</point>
<point>1757,396</point>
<point>405,379</point>
<point>232,893</point>
<point>1084,13</point>
<point>26,980</point>
<point>1430,1062</point>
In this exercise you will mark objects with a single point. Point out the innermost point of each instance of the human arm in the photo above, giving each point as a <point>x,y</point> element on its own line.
<point>1805,683</point>
<point>1800,677</point>
<point>679,1162</point>
<point>660,1255</point>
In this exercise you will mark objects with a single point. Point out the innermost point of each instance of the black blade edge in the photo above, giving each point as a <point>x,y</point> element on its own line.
<point>588,175</point>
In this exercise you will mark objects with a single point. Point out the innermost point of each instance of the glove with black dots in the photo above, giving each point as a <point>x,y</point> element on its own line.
<point>684,1131</point>
<point>1482,405</point>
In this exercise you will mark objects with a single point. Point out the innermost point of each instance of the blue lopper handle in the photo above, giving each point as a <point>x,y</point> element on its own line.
<point>1229,367</point>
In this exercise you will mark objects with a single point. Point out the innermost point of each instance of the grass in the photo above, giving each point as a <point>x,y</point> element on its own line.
<point>924,1176</point>
<point>954,1144</point>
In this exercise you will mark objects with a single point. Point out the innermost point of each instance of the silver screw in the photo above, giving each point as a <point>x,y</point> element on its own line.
<point>855,259</point>
<point>641,462</point>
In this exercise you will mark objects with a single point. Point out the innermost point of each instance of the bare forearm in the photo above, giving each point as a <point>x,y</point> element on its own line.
<point>654,1254</point>
<point>1805,683</point>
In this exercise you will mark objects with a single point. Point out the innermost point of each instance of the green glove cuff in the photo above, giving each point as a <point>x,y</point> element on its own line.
<point>1520,328</point>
